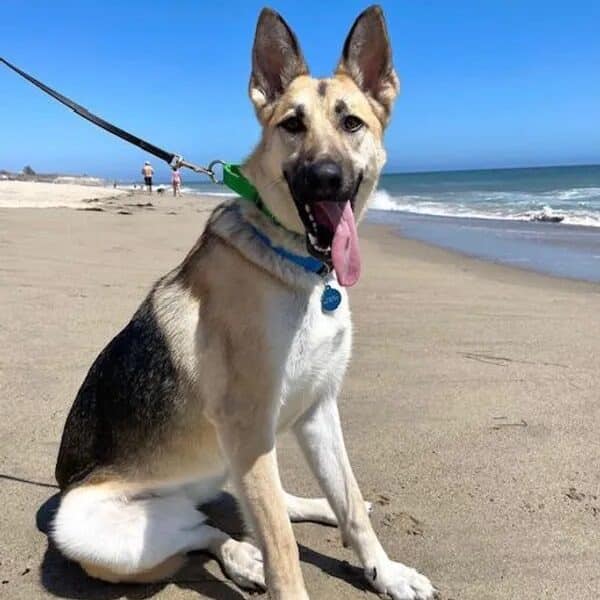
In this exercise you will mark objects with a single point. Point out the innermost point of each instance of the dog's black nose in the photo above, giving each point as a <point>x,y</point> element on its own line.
<point>324,179</point>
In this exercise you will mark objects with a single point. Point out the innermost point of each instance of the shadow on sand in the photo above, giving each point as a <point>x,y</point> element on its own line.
<point>66,579</point>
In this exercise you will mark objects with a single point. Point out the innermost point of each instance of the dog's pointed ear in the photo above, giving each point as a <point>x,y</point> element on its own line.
<point>367,59</point>
<point>276,59</point>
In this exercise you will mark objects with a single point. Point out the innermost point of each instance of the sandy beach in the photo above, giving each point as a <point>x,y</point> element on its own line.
<point>30,194</point>
<point>471,407</point>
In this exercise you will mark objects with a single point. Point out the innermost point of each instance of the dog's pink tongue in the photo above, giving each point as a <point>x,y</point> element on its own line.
<point>345,253</point>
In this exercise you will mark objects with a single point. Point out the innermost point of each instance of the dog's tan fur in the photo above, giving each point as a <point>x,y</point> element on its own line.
<point>241,351</point>
<point>322,137</point>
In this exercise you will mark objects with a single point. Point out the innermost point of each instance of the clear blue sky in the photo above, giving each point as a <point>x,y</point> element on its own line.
<point>487,83</point>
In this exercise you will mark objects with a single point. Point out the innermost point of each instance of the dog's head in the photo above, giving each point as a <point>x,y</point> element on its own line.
<point>321,150</point>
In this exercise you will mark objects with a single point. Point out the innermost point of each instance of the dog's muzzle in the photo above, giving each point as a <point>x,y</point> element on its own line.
<point>324,197</point>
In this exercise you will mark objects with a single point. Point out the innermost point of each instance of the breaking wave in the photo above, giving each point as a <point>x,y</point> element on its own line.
<point>576,206</point>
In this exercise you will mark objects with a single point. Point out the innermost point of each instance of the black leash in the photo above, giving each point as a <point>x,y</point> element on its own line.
<point>174,160</point>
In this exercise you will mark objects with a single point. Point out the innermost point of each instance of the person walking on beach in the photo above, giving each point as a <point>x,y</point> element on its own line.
<point>148,172</point>
<point>176,181</point>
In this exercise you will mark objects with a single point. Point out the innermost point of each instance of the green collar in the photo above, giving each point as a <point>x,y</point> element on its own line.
<point>234,179</point>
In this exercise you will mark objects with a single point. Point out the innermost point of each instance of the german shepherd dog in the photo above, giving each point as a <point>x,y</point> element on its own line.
<point>236,345</point>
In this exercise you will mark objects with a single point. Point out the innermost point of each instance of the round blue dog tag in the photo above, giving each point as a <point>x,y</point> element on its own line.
<point>330,299</point>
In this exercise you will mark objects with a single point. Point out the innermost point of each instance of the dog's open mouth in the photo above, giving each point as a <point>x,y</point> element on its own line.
<point>331,236</point>
<point>330,225</point>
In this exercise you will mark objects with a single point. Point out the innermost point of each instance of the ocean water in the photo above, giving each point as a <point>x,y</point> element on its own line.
<point>542,219</point>
<point>545,219</point>
<point>569,194</point>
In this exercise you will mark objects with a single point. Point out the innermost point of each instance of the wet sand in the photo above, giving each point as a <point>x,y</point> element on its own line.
<point>558,249</point>
<point>471,407</point>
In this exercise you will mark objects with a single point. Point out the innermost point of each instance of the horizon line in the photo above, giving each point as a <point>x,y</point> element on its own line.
<point>384,172</point>
<point>511,168</point>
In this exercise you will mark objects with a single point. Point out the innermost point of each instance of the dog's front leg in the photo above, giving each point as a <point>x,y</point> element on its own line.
<point>249,445</point>
<point>319,433</point>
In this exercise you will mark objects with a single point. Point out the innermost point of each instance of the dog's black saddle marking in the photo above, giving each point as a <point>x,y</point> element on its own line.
<point>124,404</point>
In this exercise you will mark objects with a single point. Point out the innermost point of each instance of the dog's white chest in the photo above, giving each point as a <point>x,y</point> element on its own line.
<point>311,348</point>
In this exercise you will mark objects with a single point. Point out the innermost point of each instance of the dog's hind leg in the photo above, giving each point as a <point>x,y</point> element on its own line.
<point>314,510</point>
<point>121,536</point>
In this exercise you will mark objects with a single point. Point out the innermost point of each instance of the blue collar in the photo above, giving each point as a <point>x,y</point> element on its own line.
<point>308,263</point>
<point>331,298</point>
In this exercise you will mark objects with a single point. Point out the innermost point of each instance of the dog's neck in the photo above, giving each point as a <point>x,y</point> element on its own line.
<point>242,225</point>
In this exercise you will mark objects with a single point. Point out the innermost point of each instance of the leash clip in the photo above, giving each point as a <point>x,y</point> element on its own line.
<point>211,171</point>
<point>177,162</point>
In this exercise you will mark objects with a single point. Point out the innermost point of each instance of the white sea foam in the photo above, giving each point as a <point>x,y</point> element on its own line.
<point>577,206</point>
<point>200,192</point>
<point>576,193</point>
<point>381,200</point>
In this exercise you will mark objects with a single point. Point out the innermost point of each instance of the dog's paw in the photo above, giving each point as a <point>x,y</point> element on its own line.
<point>399,582</point>
<point>243,564</point>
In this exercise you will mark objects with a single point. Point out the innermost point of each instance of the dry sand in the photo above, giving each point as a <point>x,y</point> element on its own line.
<point>471,408</point>
<point>32,194</point>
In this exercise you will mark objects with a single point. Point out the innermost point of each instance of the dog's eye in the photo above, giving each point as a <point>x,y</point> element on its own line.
<point>352,123</point>
<point>292,125</point>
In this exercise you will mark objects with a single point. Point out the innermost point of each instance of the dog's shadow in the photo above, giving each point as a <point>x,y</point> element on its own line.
<point>66,579</point>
